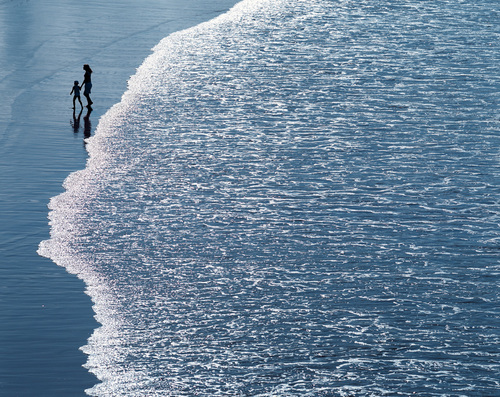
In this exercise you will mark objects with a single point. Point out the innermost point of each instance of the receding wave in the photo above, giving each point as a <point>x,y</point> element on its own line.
<point>297,198</point>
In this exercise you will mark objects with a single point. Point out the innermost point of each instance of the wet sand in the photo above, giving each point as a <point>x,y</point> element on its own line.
<point>45,314</point>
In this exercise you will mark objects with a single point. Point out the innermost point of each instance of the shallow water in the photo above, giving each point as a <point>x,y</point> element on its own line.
<point>297,199</point>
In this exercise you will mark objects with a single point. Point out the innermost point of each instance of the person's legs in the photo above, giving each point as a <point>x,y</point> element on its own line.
<point>88,87</point>
<point>89,101</point>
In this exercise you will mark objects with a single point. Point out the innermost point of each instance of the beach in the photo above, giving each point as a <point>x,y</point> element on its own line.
<point>291,198</point>
<point>45,315</point>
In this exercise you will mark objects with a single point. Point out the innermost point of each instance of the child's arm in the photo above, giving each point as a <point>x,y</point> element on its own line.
<point>72,90</point>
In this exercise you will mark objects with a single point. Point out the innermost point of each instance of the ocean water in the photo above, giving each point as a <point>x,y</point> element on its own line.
<point>297,199</point>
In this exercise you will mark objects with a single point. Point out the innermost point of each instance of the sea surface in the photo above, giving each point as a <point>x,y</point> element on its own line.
<point>297,199</point>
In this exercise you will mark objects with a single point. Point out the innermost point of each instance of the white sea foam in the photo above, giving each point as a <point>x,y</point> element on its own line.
<point>296,199</point>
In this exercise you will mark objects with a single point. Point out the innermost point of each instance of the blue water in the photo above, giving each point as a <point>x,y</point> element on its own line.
<point>297,198</point>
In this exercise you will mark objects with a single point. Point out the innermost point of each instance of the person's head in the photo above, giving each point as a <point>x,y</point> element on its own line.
<point>76,82</point>
<point>87,68</point>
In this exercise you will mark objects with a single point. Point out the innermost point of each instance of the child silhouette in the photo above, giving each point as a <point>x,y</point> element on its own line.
<point>76,94</point>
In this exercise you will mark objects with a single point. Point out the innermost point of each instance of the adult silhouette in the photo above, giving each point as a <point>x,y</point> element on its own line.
<point>87,84</point>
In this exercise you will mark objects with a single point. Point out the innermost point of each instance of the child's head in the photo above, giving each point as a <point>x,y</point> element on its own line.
<point>76,82</point>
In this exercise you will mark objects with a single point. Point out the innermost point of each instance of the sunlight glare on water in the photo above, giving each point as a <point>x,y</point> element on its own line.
<point>297,198</point>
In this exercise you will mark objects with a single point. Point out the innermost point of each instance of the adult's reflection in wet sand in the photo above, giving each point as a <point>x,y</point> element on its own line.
<point>86,124</point>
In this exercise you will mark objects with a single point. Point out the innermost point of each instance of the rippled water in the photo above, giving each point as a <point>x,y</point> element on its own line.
<point>298,198</point>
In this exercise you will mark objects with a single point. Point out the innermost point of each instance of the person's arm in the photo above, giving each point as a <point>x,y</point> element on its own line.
<point>86,78</point>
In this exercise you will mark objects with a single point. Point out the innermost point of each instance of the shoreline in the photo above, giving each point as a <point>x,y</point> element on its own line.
<point>46,315</point>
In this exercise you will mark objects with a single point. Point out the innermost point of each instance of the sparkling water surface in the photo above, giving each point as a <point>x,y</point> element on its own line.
<point>298,199</point>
